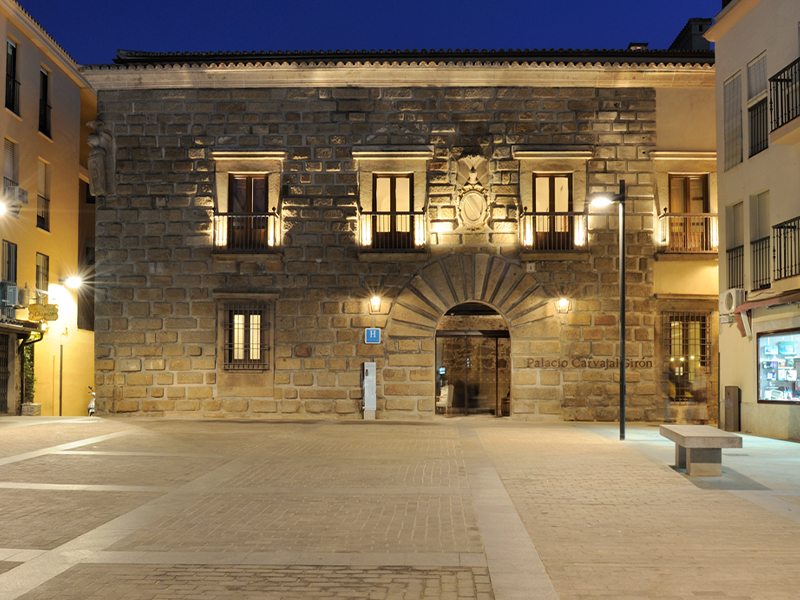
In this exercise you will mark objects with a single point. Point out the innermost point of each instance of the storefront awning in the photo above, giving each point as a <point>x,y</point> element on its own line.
<point>740,312</point>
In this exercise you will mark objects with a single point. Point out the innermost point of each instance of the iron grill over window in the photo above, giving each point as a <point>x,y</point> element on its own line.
<point>784,94</point>
<point>686,348</point>
<point>12,85</point>
<point>44,106</point>
<point>786,242</point>
<point>761,266</point>
<point>759,127</point>
<point>736,267</point>
<point>246,345</point>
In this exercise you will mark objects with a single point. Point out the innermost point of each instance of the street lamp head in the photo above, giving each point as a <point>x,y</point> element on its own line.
<point>2,209</point>
<point>73,282</point>
<point>601,201</point>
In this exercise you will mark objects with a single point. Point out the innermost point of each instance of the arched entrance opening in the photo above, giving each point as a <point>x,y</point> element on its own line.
<point>473,362</point>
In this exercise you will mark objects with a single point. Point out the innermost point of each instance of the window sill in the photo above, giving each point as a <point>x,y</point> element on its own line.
<point>393,255</point>
<point>222,255</point>
<point>665,256</point>
<point>543,256</point>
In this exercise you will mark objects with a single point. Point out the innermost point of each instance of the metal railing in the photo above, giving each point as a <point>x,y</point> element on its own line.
<point>553,231</point>
<point>761,263</point>
<point>255,232</point>
<point>12,94</point>
<point>786,247</point>
<point>736,267</point>
<point>7,183</point>
<point>784,95</point>
<point>43,213</point>
<point>393,230</point>
<point>688,232</point>
<point>759,127</point>
<point>44,117</point>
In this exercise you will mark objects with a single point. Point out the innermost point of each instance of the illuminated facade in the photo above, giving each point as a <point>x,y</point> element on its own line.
<point>47,227</point>
<point>247,227</point>
<point>758,136</point>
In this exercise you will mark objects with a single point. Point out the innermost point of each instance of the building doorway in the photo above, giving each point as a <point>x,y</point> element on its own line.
<point>473,362</point>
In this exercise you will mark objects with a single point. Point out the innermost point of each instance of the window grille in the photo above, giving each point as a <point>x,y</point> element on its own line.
<point>758,117</point>
<point>246,345</point>
<point>42,277</point>
<point>686,348</point>
<point>732,105</point>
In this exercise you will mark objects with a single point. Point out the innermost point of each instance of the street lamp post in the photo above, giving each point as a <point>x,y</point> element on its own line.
<point>620,200</point>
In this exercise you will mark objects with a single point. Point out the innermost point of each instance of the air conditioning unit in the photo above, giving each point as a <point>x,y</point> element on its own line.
<point>22,298</point>
<point>12,293</point>
<point>729,300</point>
<point>16,195</point>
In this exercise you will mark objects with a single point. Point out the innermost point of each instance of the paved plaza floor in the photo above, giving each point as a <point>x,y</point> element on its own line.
<point>461,508</point>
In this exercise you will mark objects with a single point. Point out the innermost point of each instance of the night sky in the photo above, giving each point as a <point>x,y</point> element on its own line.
<point>92,30</point>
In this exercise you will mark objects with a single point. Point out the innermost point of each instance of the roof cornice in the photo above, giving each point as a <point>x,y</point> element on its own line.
<point>401,73</point>
<point>34,32</point>
<point>133,58</point>
<point>728,17</point>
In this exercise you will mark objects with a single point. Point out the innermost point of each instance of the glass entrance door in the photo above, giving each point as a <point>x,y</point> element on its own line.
<point>473,369</point>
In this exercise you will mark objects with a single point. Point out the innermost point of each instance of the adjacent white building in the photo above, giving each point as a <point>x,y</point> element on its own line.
<point>758,141</point>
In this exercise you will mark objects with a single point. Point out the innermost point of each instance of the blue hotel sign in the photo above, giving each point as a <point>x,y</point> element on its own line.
<point>372,335</point>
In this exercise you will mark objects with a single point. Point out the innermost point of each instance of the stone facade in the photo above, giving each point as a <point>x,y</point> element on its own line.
<point>162,287</point>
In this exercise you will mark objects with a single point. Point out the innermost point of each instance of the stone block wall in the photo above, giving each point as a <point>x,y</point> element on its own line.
<point>160,285</point>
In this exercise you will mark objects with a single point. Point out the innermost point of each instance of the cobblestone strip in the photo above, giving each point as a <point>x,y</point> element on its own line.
<point>517,572</point>
<point>185,582</point>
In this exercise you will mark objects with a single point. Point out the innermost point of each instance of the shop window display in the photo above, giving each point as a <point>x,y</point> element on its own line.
<point>778,362</point>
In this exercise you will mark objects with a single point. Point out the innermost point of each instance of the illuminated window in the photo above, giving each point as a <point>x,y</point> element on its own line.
<point>392,218</point>
<point>246,337</point>
<point>247,203</point>
<point>552,218</point>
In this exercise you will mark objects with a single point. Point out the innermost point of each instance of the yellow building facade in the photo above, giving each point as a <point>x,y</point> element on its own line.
<point>47,225</point>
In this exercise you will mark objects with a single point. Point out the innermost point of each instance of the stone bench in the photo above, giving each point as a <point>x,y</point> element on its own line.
<point>698,448</point>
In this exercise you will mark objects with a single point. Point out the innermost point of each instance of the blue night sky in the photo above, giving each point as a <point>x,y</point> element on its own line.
<point>92,30</point>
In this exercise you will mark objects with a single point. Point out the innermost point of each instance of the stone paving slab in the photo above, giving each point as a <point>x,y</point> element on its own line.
<point>507,510</point>
<point>612,523</point>
<point>186,582</point>
<point>45,519</point>
<point>314,523</point>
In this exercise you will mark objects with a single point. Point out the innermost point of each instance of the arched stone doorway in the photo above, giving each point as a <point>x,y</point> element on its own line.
<point>427,296</point>
<point>473,362</point>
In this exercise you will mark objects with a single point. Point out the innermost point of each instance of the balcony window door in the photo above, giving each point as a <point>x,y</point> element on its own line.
<point>247,223</point>
<point>689,225</point>
<point>392,221</point>
<point>12,85</point>
<point>552,203</point>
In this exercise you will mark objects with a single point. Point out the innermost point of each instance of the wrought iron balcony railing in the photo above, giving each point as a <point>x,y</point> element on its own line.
<point>44,117</point>
<point>393,230</point>
<point>736,267</point>
<point>786,248</point>
<point>553,231</point>
<point>248,233</point>
<point>761,263</point>
<point>784,95</point>
<point>688,232</point>
<point>43,213</point>
<point>12,94</point>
